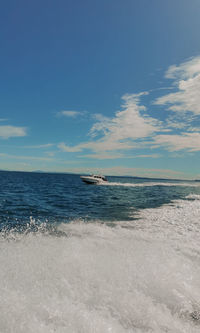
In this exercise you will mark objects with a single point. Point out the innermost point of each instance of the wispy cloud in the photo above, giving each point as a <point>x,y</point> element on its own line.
<point>47,145</point>
<point>70,113</point>
<point>133,126</point>
<point>185,104</point>
<point>104,156</point>
<point>122,132</point>
<point>185,141</point>
<point>19,157</point>
<point>148,156</point>
<point>131,123</point>
<point>50,153</point>
<point>177,122</point>
<point>186,78</point>
<point>63,147</point>
<point>185,70</point>
<point>8,131</point>
<point>111,156</point>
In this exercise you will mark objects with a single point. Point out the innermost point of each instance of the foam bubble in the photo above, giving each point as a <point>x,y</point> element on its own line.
<point>141,276</point>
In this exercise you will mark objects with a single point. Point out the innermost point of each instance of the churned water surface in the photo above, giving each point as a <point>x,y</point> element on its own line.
<point>121,257</point>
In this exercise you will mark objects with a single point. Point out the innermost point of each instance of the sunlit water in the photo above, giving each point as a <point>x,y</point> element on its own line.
<point>122,257</point>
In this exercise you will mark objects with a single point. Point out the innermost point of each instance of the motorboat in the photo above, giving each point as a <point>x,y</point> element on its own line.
<point>94,179</point>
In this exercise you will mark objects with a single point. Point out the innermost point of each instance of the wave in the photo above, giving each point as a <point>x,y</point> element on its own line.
<point>139,276</point>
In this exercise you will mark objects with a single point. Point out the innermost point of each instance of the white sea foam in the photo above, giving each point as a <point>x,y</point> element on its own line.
<point>141,276</point>
<point>188,184</point>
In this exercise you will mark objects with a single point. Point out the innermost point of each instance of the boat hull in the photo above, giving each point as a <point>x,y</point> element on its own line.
<point>92,180</point>
<point>89,180</point>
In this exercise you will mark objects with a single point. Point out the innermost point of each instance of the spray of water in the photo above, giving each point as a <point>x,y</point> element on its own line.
<point>141,276</point>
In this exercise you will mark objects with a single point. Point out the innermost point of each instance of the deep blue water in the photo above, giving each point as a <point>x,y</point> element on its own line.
<point>56,198</point>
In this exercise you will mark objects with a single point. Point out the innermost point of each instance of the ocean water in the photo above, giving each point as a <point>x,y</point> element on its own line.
<point>119,257</point>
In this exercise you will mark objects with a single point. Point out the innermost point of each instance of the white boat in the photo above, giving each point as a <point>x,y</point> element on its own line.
<point>94,179</point>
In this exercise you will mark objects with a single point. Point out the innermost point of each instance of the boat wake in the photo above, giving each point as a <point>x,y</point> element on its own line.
<point>149,184</point>
<point>139,276</point>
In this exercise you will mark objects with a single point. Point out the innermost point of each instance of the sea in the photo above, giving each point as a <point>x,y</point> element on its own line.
<point>120,257</point>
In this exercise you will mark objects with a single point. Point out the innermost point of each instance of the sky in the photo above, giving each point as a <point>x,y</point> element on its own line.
<point>109,86</point>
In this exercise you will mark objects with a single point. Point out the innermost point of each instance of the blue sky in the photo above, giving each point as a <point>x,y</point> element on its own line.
<point>107,86</point>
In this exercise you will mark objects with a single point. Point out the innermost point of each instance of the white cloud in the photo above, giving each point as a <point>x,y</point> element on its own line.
<point>129,123</point>
<point>187,141</point>
<point>187,80</point>
<point>111,155</point>
<point>133,128</point>
<point>104,156</point>
<point>47,145</point>
<point>121,132</point>
<point>70,114</point>
<point>180,121</point>
<point>186,70</point>
<point>193,129</point>
<point>148,156</point>
<point>185,103</point>
<point>9,131</point>
<point>100,126</point>
<point>63,147</point>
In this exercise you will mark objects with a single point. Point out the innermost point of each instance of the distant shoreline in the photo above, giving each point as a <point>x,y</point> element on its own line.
<point>78,174</point>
